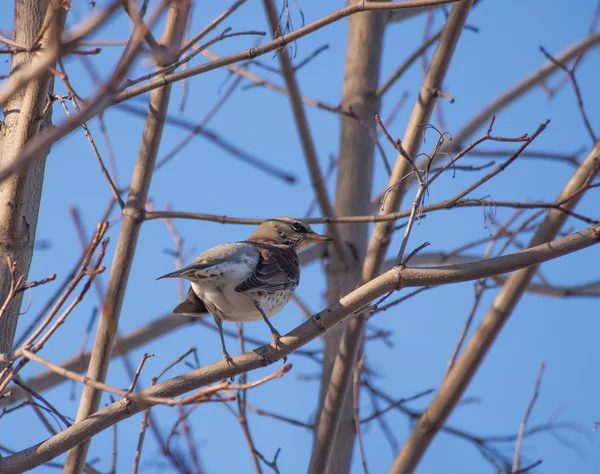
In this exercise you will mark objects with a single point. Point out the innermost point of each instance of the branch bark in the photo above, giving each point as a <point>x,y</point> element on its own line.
<point>459,378</point>
<point>132,219</point>
<point>348,305</point>
<point>282,41</point>
<point>24,118</point>
<point>35,70</point>
<point>163,325</point>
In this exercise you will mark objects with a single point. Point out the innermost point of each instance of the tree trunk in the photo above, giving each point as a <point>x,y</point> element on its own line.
<point>353,195</point>
<point>24,117</point>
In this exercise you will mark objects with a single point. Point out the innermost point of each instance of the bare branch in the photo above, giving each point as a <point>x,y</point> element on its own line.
<point>53,47</point>
<point>523,426</point>
<point>212,25</point>
<point>399,72</point>
<point>522,87</point>
<point>94,106</point>
<point>356,392</point>
<point>571,74</point>
<point>25,93</point>
<point>235,151</point>
<point>280,42</point>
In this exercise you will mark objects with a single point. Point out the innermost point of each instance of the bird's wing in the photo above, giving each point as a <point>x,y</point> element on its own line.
<point>277,269</point>
<point>191,305</point>
<point>238,258</point>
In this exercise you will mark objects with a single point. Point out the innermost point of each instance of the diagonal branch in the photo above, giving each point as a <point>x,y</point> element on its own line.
<point>282,41</point>
<point>163,325</point>
<point>458,379</point>
<point>103,98</point>
<point>523,425</point>
<point>512,94</point>
<point>521,88</point>
<point>128,235</point>
<point>55,49</point>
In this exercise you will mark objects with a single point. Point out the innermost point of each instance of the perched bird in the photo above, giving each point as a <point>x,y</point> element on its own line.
<point>249,280</point>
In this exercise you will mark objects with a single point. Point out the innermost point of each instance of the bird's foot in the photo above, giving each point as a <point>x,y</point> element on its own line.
<point>276,339</point>
<point>227,358</point>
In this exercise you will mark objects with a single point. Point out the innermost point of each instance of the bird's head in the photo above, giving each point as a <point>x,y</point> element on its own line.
<point>289,231</point>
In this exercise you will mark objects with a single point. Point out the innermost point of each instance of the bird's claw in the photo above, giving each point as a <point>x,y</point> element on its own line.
<point>227,358</point>
<point>276,339</point>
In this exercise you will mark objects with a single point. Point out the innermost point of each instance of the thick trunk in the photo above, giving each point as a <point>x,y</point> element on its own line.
<point>353,194</point>
<point>24,118</point>
<point>336,413</point>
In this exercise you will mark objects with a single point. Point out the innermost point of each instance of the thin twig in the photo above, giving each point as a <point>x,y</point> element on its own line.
<point>37,396</point>
<point>356,393</point>
<point>211,26</point>
<point>523,426</point>
<point>237,152</point>
<point>139,371</point>
<point>83,271</point>
<point>378,413</point>
<point>280,42</point>
<point>571,74</point>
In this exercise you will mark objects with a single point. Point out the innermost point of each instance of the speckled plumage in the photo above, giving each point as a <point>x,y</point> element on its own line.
<point>249,280</point>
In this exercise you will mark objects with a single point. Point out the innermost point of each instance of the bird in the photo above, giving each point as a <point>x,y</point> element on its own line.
<point>248,280</point>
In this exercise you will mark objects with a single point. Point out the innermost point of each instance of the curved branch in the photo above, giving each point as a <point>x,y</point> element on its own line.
<point>106,94</point>
<point>279,42</point>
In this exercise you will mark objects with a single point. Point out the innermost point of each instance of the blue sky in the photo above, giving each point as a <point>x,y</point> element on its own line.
<point>203,178</point>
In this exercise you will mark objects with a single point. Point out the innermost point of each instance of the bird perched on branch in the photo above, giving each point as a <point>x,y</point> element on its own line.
<point>249,280</point>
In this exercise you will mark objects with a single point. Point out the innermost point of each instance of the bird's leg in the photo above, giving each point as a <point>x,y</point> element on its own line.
<point>226,355</point>
<point>274,332</point>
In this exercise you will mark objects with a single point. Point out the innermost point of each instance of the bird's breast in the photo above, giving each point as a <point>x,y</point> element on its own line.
<point>239,307</point>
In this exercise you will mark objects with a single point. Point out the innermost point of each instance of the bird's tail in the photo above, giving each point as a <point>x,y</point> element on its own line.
<point>191,305</point>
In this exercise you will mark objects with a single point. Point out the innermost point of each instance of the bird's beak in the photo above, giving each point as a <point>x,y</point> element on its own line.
<point>316,238</point>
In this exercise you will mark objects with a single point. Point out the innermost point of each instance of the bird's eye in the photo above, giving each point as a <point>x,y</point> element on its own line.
<point>298,227</point>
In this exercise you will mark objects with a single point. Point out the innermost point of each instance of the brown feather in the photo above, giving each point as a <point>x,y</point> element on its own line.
<point>191,305</point>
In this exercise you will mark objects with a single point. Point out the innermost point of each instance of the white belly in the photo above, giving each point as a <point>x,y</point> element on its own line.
<point>239,307</point>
